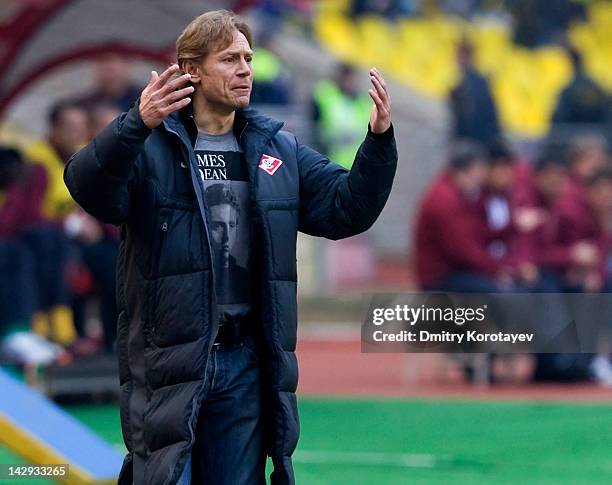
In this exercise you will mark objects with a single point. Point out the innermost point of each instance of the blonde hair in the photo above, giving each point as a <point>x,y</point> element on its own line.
<point>209,32</point>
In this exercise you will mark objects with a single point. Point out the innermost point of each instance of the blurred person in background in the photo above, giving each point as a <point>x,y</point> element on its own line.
<point>587,155</point>
<point>497,198</point>
<point>452,237</point>
<point>541,22</point>
<point>504,217</point>
<point>586,268</point>
<point>472,106</point>
<point>99,116</point>
<point>592,275</point>
<point>67,132</point>
<point>464,234</point>
<point>271,77</point>
<point>340,111</point>
<point>21,195</point>
<point>92,271</point>
<point>593,237</point>
<point>538,251</point>
<point>582,100</point>
<point>113,83</point>
<point>391,9</point>
<point>536,196</point>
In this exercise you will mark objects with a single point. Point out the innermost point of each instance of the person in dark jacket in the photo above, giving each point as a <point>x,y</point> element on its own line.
<point>471,102</point>
<point>582,100</point>
<point>209,390</point>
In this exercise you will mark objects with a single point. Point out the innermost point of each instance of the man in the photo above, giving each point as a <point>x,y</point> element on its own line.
<point>226,392</point>
<point>535,198</point>
<point>452,237</point>
<point>272,81</point>
<point>496,198</point>
<point>112,83</point>
<point>21,192</point>
<point>582,100</point>
<point>473,107</point>
<point>587,155</point>
<point>67,133</point>
<point>339,113</point>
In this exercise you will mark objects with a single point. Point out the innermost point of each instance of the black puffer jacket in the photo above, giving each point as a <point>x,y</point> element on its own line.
<point>144,180</point>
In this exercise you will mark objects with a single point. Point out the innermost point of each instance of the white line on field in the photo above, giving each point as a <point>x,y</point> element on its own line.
<point>357,458</point>
<point>405,460</point>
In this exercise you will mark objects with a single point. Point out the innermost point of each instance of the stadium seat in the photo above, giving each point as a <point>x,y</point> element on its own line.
<point>420,52</point>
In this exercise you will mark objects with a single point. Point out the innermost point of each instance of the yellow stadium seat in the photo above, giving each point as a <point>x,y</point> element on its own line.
<point>338,34</point>
<point>492,41</point>
<point>422,54</point>
<point>377,41</point>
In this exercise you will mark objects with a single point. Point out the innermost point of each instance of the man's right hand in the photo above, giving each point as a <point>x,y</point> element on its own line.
<point>162,96</point>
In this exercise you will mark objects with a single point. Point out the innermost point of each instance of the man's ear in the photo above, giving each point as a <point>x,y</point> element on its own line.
<point>191,67</point>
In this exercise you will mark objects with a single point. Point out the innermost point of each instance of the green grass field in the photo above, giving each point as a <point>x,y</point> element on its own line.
<point>432,442</point>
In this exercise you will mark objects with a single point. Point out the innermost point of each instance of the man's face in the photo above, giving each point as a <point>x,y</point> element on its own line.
<point>223,223</point>
<point>472,178</point>
<point>500,177</point>
<point>70,131</point>
<point>551,181</point>
<point>226,76</point>
<point>348,83</point>
<point>589,162</point>
<point>112,75</point>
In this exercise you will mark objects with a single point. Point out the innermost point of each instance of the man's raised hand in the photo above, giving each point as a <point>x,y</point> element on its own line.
<point>162,96</point>
<point>380,118</point>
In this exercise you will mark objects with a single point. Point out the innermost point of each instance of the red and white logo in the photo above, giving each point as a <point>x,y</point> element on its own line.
<point>269,164</point>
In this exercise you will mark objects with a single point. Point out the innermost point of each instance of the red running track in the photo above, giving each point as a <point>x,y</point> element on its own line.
<point>338,368</point>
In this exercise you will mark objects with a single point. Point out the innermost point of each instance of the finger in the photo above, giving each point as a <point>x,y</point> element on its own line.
<point>181,93</point>
<point>376,73</point>
<point>377,101</point>
<point>382,94</point>
<point>382,111</point>
<point>175,83</point>
<point>167,74</point>
<point>154,78</point>
<point>176,106</point>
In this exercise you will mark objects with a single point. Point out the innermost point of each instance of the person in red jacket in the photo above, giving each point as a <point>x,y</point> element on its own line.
<point>595,234</point>
<point>21,195</point>
<point>535,197</point>
<point>452,237</point>
<point>587,156</point>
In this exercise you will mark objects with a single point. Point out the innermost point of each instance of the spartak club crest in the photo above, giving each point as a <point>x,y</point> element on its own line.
<point>269,164</point>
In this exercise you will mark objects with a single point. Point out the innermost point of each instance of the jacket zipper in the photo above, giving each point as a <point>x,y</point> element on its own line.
<point>160,244</point>
<point>210,260</point>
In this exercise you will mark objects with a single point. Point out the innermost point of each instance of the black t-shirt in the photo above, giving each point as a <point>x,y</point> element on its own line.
<point>225,180</point>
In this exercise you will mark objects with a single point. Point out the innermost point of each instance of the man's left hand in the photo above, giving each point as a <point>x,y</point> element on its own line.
<point>380,118</point>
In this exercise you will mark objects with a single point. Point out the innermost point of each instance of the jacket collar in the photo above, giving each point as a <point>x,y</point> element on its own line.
<point>247,118</point>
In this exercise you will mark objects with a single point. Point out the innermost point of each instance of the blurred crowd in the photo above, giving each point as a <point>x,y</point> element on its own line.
<point>538,21</point>
<point>493,222</point>
<point>57,261</point>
